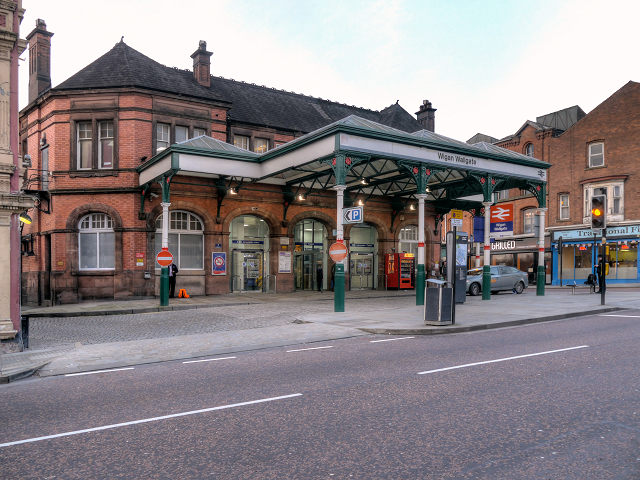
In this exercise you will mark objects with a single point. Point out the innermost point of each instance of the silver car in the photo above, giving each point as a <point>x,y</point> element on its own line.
<point>502,279</point>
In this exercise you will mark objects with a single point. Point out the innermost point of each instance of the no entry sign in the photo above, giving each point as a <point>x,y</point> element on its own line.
<point>164,258</point>
<point>338,252</point>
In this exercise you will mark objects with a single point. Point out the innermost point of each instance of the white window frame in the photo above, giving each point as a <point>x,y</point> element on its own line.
<point>80,141</point>
<point>183,129</point>
<point>199,132</point>
<point>591,155</point>
<point>261,145</point>
<point>527,152</point>
<point>501,195</point>
<point>530,213</point>
<point>101,139</point>
<point>610,188</point>
<point>194,226</point>
<point>564,207</point>
<point>241,141</point>
<point>162,136</point>
<point>98,224</point>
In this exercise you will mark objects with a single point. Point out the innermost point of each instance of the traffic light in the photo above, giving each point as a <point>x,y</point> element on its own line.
<point>599,211</point>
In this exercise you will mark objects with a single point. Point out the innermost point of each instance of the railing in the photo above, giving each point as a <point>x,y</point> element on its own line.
<point>275,287</point>
<point>367,277</point>
<point>234,285</point>
<point>385,280</point>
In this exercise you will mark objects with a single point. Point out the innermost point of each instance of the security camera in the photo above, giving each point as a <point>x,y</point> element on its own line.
<point>26,161</point>
<point>153,195</point>
<point>43,141</point>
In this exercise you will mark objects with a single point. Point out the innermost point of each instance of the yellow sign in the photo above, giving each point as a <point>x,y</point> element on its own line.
<point>457,214</point>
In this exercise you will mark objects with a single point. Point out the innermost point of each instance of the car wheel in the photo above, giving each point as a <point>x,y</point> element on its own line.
<point>474,289</point>
<point>519,288</point>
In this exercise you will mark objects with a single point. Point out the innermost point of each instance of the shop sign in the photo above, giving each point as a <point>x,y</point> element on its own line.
<point>284,262</point>
<point>218,263</point>
<point>587,233</point>
<point>510,245</point>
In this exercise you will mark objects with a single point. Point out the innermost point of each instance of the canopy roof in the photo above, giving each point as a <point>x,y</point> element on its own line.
<point>381,159</point>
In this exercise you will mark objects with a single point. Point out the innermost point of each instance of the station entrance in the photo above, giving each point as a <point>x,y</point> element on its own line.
<point>363,254</point>
<point>310,247</point>
<point>249,242</point>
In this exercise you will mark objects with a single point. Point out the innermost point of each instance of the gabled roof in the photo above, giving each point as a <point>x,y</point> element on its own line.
<point>562,119</point>
<point>253,104</point>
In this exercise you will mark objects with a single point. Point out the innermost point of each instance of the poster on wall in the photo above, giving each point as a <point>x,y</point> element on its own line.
<point>218,263</point>
<point>284,262</point>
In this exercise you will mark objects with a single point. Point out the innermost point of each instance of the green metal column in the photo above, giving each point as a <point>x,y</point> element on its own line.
<point>420,284</point>
<point>164,286</point>
<point>338,288</point>
<point>486,269</point>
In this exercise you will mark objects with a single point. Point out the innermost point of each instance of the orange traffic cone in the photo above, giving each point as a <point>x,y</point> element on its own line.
<point>182,293</point>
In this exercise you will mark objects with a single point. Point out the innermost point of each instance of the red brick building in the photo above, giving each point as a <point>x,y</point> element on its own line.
<point>595,153</point>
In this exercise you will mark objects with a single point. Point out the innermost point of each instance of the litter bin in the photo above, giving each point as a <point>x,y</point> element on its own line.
<point>438,305</point>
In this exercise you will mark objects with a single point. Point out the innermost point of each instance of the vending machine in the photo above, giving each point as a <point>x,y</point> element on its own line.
<point>400,270</point>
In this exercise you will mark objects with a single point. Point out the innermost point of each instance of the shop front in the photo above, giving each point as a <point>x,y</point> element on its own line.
<point>522,253</point>
<point>575,254</point>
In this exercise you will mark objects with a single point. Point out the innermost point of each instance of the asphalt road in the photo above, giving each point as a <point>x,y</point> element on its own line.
<point>349,409</point>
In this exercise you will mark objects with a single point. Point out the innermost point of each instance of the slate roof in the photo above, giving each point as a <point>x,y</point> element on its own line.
<point>258,105</point>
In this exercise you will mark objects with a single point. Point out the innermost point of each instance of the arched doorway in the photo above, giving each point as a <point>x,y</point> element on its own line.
<point>363,256</point>
<point>310,252</point>
<point>249,245</point>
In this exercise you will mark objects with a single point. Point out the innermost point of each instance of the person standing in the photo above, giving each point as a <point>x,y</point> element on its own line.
<point>319,277</point>
<point>173,269</point>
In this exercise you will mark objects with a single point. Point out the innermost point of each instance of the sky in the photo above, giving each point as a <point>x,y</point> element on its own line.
<point>487,66</point>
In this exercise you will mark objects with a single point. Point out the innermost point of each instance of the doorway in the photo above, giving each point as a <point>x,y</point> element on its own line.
<point>305,270</point>
<point>361,271</point>
<point>248,268</point>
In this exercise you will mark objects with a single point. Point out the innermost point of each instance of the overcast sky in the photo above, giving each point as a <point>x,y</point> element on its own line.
<point>486,65</point>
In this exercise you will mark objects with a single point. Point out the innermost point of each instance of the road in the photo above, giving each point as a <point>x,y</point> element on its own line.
<point>553,400</point>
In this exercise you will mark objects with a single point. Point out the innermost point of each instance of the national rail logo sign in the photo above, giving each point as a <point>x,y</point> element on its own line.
<point>501,220</point>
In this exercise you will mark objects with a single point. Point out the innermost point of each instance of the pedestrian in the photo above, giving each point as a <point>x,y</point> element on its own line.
<point>173,269</point>
<point>599,272</point>
<point>319,277</point>
<point>443,269</point>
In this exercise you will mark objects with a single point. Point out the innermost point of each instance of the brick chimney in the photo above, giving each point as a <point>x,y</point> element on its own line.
<point>202,64</point>
<point>39,60</point>
<point>427,116</point>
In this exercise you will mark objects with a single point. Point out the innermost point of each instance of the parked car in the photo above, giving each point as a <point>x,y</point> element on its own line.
<point>502,279</point>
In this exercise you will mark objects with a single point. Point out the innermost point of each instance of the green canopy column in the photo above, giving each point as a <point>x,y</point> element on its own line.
<point>338,278</point>
<point>486,269</point>
<point>164,271</point>
<point>420,277</point>
<point>542,275</point>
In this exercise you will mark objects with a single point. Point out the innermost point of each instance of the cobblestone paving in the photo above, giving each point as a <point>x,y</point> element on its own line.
<point>117,328</point>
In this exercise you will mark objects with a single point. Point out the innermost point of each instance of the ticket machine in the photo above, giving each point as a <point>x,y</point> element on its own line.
<point>400,270</point>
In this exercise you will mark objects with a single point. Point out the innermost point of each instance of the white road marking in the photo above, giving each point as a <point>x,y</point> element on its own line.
<point>628,316</point>
<point>390,339</point>
<point>305,349</point>
<point>502,359</point>
<point>97,371</point>
<point>146,420</point>
<point>209,360</point>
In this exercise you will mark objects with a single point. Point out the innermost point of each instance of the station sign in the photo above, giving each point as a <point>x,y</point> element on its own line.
<point>456,218</point>
<point>352,215</point>
<point>501,223</point>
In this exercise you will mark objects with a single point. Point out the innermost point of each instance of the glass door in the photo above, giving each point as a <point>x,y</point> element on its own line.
<point>248,271</point>
<point>305,270</point>
<point>361,270</point>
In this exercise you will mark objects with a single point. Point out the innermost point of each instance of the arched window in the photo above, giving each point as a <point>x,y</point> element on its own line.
<point>529,220</point>
<point>408,240</point>
<point>528,150</point>
<point>186,240</point>
<point>97,242</point>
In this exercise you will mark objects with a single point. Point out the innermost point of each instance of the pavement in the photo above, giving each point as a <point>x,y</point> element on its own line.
<point>102,335</point>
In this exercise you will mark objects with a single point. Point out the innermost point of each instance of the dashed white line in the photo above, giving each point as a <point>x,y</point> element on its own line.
<point>305,349</point>
<point>627,316</point>
<point>502,359</point>
<point>146,420</point>
<point>209,360</point>
<point>390,339</point>
<point>97,371</point>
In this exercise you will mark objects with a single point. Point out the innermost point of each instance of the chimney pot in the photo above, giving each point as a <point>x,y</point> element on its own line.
<point>39,60</point>
<point>427,116</point>
<point>202,64</point>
